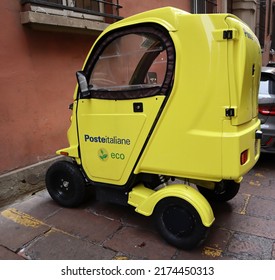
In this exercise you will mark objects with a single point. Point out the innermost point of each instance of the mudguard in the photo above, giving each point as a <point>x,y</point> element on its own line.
<point>145,200</point>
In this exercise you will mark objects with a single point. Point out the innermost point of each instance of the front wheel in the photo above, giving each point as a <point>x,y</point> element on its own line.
<point>179,223</point>
<point>66,184</point>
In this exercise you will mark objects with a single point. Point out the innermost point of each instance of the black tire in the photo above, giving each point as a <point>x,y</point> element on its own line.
<point>66,184</point>
<point>223,191</point>
<point>179,223</point>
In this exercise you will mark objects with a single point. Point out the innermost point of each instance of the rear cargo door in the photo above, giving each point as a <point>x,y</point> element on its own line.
<point>244,67</point>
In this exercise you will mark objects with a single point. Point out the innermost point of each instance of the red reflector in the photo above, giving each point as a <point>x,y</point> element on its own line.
<point>64,153</point>
<point>244,157</point>
<point>267,110</point>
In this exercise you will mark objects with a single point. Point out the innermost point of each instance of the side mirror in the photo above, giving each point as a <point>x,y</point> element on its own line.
<point>83,84</point>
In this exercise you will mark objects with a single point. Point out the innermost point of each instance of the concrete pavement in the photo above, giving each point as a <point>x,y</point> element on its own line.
<point>37,228</point>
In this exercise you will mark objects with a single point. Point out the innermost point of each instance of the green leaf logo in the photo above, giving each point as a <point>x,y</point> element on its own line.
<point>103,154</point>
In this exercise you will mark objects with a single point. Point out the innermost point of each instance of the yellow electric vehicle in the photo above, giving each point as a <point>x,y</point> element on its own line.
<point>166,101</point>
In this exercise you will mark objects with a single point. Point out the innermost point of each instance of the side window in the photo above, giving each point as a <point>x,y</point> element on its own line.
<point>132,65</point>
<point>130,61</point>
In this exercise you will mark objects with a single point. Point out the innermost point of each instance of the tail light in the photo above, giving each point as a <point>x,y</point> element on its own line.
<point>244,157</point>
<point>267,110</point>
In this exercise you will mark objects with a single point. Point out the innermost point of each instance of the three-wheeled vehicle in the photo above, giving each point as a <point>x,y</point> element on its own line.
<point>164,118</point>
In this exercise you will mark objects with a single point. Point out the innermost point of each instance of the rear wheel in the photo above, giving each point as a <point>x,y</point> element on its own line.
<point>179,223</point>
<point>66,184</point>
<point>223,191</point>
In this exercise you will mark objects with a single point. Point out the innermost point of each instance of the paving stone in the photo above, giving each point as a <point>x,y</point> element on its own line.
<point>246,224</point>
<point>239,203</point>
<point>261,191</point>
<point>141,244</point>
<point>17,229</point>
<point>259,207</point>
<point>202,253</point>
<point>124,214</point>
<point>194,254</point>
<point>57,245</point>
<point>84,224</point>
<point>6,254</point>
<point>137,220</point>
<point>218,238</point>
<point>40,206</point>
<point>110,210</point>
<point>212,248</point>
<point>251,247</point>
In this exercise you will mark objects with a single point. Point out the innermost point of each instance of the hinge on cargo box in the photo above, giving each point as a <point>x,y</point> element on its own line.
<point>229,112</point>
<point>228,34</point>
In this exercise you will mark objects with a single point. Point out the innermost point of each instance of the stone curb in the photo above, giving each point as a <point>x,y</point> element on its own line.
<point>24,181</point>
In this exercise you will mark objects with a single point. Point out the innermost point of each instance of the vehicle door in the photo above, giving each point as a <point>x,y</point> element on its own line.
<point>130,74</point>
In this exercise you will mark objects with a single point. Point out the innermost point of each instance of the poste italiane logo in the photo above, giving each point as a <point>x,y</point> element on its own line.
<point>103,154</point>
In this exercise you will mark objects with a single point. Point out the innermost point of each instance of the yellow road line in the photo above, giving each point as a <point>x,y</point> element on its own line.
<point>254,183</point>
<point>29,221</point>
<point>246,200</point>
<point>21,218</point>
<point>120,258</point>
<point>212,252</point>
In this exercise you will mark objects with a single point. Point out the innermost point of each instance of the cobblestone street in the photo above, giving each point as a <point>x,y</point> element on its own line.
<point>37,228</point>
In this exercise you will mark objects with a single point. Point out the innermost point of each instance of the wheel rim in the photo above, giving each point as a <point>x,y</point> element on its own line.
<point>64,188</point>
<point>178,221</point>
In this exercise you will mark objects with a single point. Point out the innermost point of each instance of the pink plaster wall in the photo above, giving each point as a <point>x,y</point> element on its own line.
<point>37,79</point>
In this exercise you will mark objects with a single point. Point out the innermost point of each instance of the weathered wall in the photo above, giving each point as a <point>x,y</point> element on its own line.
<point>133,7</point>
<point>37,79</point>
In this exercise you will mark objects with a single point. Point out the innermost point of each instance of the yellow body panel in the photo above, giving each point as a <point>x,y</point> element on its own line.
<point>242,138</point>
<point>111,136</point>
<point>73,149</point>
<point>145,200</point>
